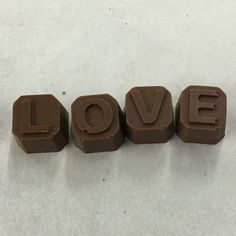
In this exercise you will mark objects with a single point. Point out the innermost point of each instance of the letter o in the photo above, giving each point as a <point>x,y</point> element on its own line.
<point>106,112</point>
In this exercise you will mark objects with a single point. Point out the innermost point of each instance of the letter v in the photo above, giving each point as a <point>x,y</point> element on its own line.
<point>148,117</point>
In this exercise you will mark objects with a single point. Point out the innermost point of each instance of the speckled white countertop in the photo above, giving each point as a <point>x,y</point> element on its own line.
<point>95,46</point>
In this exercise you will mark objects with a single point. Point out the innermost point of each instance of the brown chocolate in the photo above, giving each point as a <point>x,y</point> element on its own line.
<point>149,115</point>
<point>40,124</point>
<point>201,115</point>
<point>97,123</point>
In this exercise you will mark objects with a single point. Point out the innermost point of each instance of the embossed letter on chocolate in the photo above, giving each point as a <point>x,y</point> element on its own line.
<point>40,124</point>
<point>149,115</point>
<point>97,123</point>
<point>201,115</point>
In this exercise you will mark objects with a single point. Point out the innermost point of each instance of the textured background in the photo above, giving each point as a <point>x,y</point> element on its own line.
<point>95,46</point>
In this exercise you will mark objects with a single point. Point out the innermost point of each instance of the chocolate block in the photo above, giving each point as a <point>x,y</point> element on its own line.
<point>149,115</point>
<point>201,115</point>
<point>97,123</point>
<point>40,124</point>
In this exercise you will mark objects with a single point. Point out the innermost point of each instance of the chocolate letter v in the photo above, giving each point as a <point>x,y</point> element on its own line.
<point>148,117</point>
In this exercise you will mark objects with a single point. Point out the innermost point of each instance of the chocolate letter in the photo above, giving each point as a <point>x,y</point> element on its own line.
<point>106,112</point>
<point>26,120</point>
<point>40,124</point>
<point>149,115</point>
<point>97,123</point>
<point>201,115</point>
<point>195,105</point>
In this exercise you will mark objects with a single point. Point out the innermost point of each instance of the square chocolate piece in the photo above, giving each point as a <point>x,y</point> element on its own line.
<point>40,123</point>
<point>149,115</point>
<point>97,123</point>
<point>201,115</point>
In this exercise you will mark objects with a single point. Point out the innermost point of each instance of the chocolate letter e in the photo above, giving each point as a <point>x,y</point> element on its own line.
<point>149,115</point>
<point>96,123</point>
<point>40,124</point>
<point>201,115</point>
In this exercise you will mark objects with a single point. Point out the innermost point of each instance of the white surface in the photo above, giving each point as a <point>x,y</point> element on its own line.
<point>96,46</point>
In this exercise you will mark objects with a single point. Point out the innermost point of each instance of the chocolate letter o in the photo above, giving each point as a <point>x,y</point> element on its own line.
<point>97,123</point>
<point>106,111</point>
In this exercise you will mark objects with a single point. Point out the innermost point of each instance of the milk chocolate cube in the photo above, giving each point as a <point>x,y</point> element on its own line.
<point>97,123</point>
<point>201,115</point>
<point>40,124</point>
<point>149,115</point>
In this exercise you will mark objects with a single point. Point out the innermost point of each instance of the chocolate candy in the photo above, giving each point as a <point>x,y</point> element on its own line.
<point>201,115</point>
<point>149,115</point>
<point>97,123</point>
<point>40,124</point>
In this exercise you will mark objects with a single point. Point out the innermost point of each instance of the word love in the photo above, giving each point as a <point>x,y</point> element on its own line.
<point>41,123</point>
